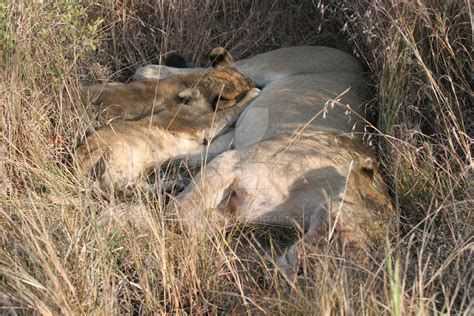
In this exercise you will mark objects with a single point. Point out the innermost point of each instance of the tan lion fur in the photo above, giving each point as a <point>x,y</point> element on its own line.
<point>299,158</point>
<point>164,119</point>
<point>135,100</point>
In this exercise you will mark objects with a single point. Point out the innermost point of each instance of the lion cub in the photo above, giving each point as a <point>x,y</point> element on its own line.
<point>164,119</point>
<point>223,85</point>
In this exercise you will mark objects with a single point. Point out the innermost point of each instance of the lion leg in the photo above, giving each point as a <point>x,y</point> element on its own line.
<point>120,155</point>
<point>290,259</point>
<point>327,224</point>
<point>206,192</point>
<point>217,146</point>
<point>116,164</point>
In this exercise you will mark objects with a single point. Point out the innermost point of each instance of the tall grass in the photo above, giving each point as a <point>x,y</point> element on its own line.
<point>65,249</point>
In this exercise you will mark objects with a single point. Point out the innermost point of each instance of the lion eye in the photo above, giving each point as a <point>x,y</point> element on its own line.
<point>219,100</point>
<point>184,100</point>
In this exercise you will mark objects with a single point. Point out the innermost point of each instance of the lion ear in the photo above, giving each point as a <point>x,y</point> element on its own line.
<point>190,94</point>
<point>368,167</point>
<point>221,58</point>
<point>175,60</point>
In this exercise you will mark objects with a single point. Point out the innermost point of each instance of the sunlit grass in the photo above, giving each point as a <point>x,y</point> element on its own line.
<point>66,249</point>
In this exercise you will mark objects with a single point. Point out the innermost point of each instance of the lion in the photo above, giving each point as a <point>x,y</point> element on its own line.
<point>298,156</point>
<point>184,114</point>
<point>223,85</point>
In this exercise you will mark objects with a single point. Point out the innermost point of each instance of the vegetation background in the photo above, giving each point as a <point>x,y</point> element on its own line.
<point>58,257</point>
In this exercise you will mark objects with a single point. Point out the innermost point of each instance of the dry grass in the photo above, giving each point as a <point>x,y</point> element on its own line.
<point>57,256</point>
